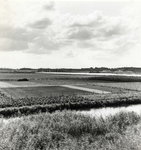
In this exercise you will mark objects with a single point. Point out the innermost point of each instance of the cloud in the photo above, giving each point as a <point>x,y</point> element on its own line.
<point>92,20</point>
<point>86,44</point>
<point>49,5</point>
<point>37,49</point>
<point>12,33</point>
<point>47,43</point>
<point>69,54</point>
<point>40,24</point>
<point>12,45</point>
<point>40,28</point>
<point>80,34</point>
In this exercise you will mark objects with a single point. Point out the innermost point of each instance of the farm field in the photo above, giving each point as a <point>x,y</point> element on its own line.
<point>57,91</point>
<point>41,91</point>
<point>41,84</point>
<point>37,76</point>
<point>122,85</point>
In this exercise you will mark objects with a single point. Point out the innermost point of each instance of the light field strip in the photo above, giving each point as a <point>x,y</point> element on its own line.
<point>86,89</point>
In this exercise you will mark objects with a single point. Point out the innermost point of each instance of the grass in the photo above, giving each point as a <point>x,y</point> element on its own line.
<point>26,106</point>
<point>67,130</point>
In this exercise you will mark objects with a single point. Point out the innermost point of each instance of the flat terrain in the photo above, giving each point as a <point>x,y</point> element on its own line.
<point>21,92</point>
<point>45,84</point>
<point>73,91</point>
<point>50,92</point>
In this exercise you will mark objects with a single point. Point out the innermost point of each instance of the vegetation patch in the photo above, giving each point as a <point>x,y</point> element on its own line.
<point>67,130</point>
<point>26,106</point>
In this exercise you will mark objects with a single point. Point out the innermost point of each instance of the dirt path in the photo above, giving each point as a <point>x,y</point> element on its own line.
<point>5,84</point>
<point>20,84</point>
<point>86,89</point>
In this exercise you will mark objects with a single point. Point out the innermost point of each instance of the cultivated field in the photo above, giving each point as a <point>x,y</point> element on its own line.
<point>42,85</point>
<point>122,85</point>
<point>41,91</point>
<point>49,92</point>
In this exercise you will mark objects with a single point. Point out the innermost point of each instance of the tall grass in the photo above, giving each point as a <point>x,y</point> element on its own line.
<point>51,104</point>
<point>67,130</point>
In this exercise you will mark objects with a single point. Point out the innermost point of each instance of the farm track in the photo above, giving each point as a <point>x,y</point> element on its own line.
<point>86,89</point>
<point>5,85</point>
<point>21,84</point>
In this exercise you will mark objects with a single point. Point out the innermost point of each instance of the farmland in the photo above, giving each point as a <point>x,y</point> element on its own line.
<point>49,92</point>
<point>40,91</point>
<point>122,85</point>
<point>40,112</point>
<point>42,85</point>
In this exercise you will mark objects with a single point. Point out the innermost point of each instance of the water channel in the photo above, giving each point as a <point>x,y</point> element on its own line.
<point>107,111</point>
<point>92,74</point>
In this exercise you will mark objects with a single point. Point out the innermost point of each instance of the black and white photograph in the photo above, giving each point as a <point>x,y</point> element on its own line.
<point>70,75</point>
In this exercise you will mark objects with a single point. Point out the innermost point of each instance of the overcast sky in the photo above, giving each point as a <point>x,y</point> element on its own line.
<point>71,34</point>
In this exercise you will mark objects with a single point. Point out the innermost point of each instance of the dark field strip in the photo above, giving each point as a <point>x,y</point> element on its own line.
<point>42,91</point>
<point>116,78</point>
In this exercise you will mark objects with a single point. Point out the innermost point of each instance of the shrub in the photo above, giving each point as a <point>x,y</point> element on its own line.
<point>24,79</point>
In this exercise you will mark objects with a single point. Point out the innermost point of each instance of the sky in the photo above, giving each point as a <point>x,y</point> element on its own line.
<point>70,34</point>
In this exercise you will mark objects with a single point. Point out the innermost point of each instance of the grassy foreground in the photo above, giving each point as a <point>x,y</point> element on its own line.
<point>70,131</point>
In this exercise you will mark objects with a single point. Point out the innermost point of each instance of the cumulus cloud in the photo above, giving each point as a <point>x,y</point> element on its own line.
<point>92,20</point>
<point>80,34</point>
<point>47,43</point>
<point>40,24</point>
<point>40,28</point>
